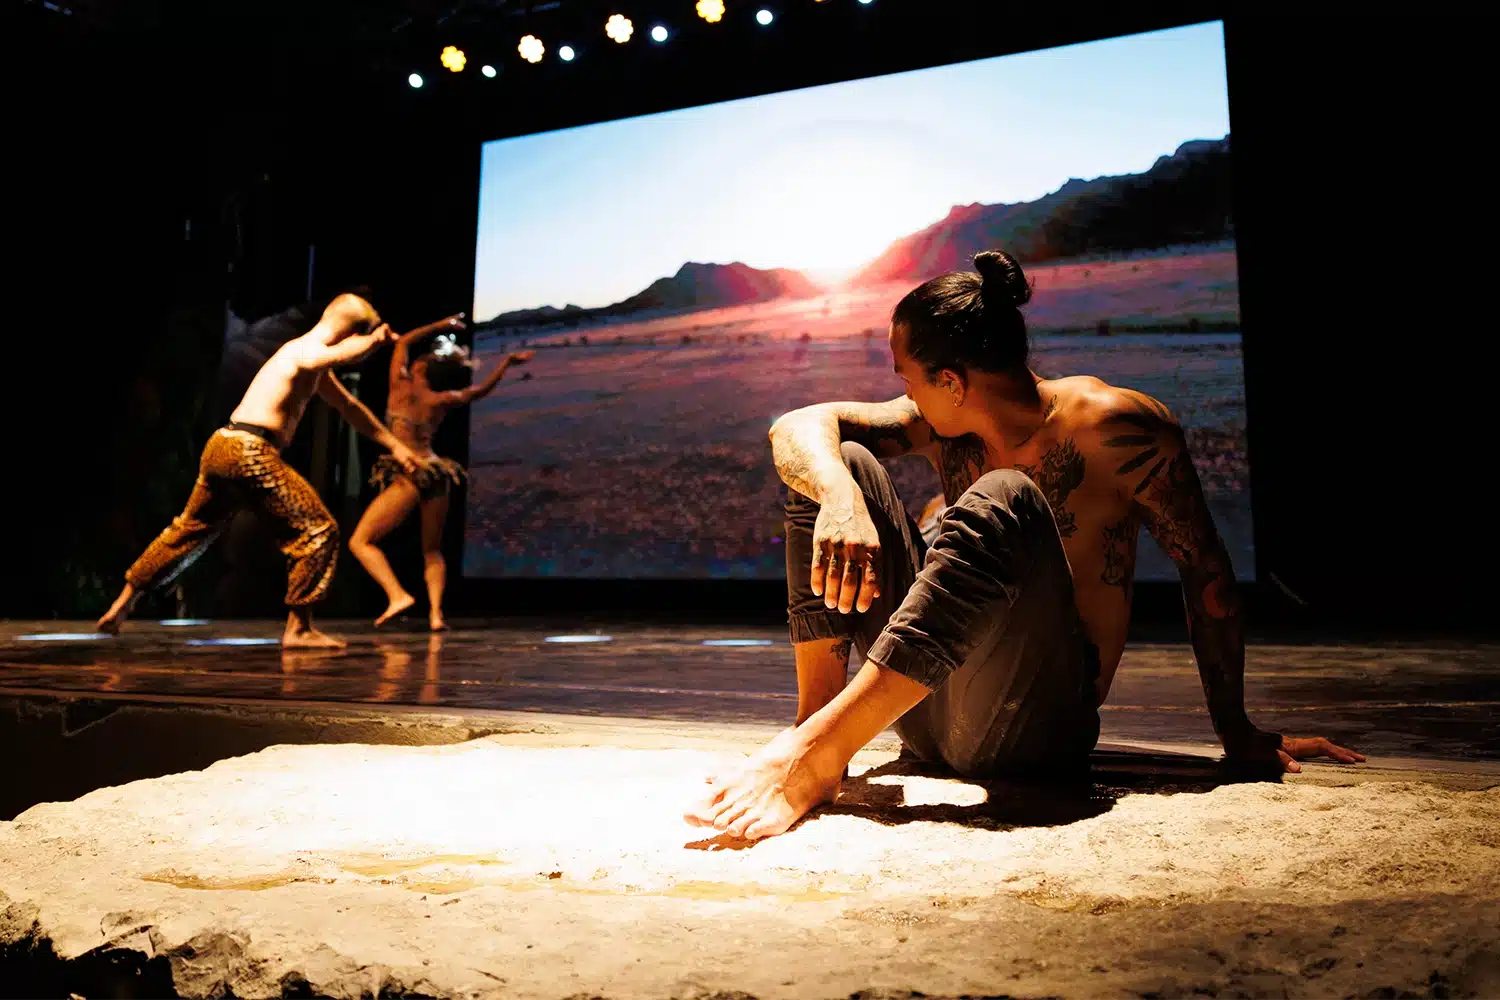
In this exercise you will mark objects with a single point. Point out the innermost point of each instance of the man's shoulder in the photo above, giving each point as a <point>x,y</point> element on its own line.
<point>288,360</point>
<point>1122,425</point>
<point>1089,403</point>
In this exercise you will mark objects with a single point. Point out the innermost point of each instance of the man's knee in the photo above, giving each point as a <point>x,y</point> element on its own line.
<point>862,464</point>
<point>999,526</point>
<point>1012,492</point>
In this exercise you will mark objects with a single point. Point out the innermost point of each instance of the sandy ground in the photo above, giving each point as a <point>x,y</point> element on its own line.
<point>522,866</point>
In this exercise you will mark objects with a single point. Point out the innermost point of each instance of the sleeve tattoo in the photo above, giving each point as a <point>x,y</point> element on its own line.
<point>794,464</point>
<point>884,428</point>
<point>1155,467</point>
<point>810,438</point>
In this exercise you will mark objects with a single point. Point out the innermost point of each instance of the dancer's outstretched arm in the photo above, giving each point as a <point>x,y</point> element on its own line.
<point>401,356</point>
<point>486,385</point>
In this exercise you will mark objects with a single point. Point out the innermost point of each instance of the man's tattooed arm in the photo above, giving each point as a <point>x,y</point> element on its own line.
<point>805,443</point>
<point>888,429</point>
<point>1155,469</point>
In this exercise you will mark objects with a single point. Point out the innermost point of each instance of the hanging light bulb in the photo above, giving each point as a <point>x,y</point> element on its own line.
<point>531,49</point>
<point>619,28</point>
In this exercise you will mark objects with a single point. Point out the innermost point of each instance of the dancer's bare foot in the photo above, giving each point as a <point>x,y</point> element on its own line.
<point>300,633</point>
<point>435,622</point>
<point>396,607</point>
<point>310,638</point>
<point>118,612</point>
<point>774,788</point>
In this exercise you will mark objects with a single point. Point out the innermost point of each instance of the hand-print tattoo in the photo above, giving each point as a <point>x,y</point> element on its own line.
<point>1137,432</point>
<point>1059,474</point>
<point>1119,554</point>
<point>960,462</point>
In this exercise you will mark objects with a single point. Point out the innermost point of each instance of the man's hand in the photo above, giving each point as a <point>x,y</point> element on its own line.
<point>521,357</point>
<point>846,552</point>
<point>409,460</point>
<point>1294,749</point>
<point>1258,748</point>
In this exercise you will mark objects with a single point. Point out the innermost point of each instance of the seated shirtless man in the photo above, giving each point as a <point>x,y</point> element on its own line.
<point>992,650</point>
<point>242,467</point>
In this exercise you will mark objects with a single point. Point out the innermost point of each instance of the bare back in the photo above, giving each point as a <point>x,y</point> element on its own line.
<point>1109,460</point>
<point>413,411</point>
<point>1077,472</point>
<point>279,393</point>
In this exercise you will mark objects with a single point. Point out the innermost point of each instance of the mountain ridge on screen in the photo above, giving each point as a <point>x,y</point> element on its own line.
<point>1184,198</point>
<point>694,287</point>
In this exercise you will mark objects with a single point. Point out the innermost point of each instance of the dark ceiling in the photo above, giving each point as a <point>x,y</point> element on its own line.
<point>395,37</point>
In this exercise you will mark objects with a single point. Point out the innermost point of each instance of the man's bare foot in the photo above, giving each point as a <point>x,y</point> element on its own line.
<point>395,608</point>
<point>309,638</point>
<point>117,613</point>
<point>765,795</point>
<point>435,622</point>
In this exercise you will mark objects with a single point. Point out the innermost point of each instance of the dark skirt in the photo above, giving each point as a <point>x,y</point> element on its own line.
<point>433,479</point>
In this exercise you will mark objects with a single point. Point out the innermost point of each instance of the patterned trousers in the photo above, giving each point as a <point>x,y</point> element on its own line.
<point>239,470</point>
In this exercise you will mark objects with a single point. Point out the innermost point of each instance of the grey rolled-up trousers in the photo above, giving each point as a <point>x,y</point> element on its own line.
<point>985,617</point>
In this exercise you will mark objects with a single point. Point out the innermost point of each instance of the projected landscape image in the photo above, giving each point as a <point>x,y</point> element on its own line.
<point>687,277</point>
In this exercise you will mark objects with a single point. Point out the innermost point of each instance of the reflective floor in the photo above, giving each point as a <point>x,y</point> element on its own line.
<point>1428,700</point>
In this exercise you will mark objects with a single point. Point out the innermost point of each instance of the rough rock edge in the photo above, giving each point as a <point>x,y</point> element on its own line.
<point>122,969</point>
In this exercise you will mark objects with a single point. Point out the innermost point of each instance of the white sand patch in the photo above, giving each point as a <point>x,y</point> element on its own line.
<point>496,848</point>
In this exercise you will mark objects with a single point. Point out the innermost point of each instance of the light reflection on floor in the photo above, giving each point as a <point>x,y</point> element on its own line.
<point>1430,699</point>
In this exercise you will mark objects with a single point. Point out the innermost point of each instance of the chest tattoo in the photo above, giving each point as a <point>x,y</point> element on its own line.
<point>960,462</point>
<point>1058,474</point>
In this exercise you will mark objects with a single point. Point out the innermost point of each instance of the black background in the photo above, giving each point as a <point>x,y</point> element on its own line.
<point>167,159</point>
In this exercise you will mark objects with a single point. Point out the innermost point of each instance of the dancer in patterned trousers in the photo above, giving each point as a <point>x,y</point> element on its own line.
<point>242,467</point>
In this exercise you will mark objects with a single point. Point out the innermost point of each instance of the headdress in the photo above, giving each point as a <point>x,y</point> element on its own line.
<point>447,350</point>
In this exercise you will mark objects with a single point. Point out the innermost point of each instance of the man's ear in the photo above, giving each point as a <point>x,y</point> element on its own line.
<point>953,384</point>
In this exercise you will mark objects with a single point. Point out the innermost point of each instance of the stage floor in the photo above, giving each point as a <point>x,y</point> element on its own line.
<point>1429,700</point>
<point>487,814</point>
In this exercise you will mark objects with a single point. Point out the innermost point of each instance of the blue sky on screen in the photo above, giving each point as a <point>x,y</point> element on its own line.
<point>824,179</point>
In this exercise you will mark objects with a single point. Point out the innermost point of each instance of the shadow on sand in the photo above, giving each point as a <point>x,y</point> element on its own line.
<point>908,790</point>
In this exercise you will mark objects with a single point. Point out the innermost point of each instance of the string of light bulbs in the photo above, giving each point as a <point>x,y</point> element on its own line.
<point>619,28</point>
